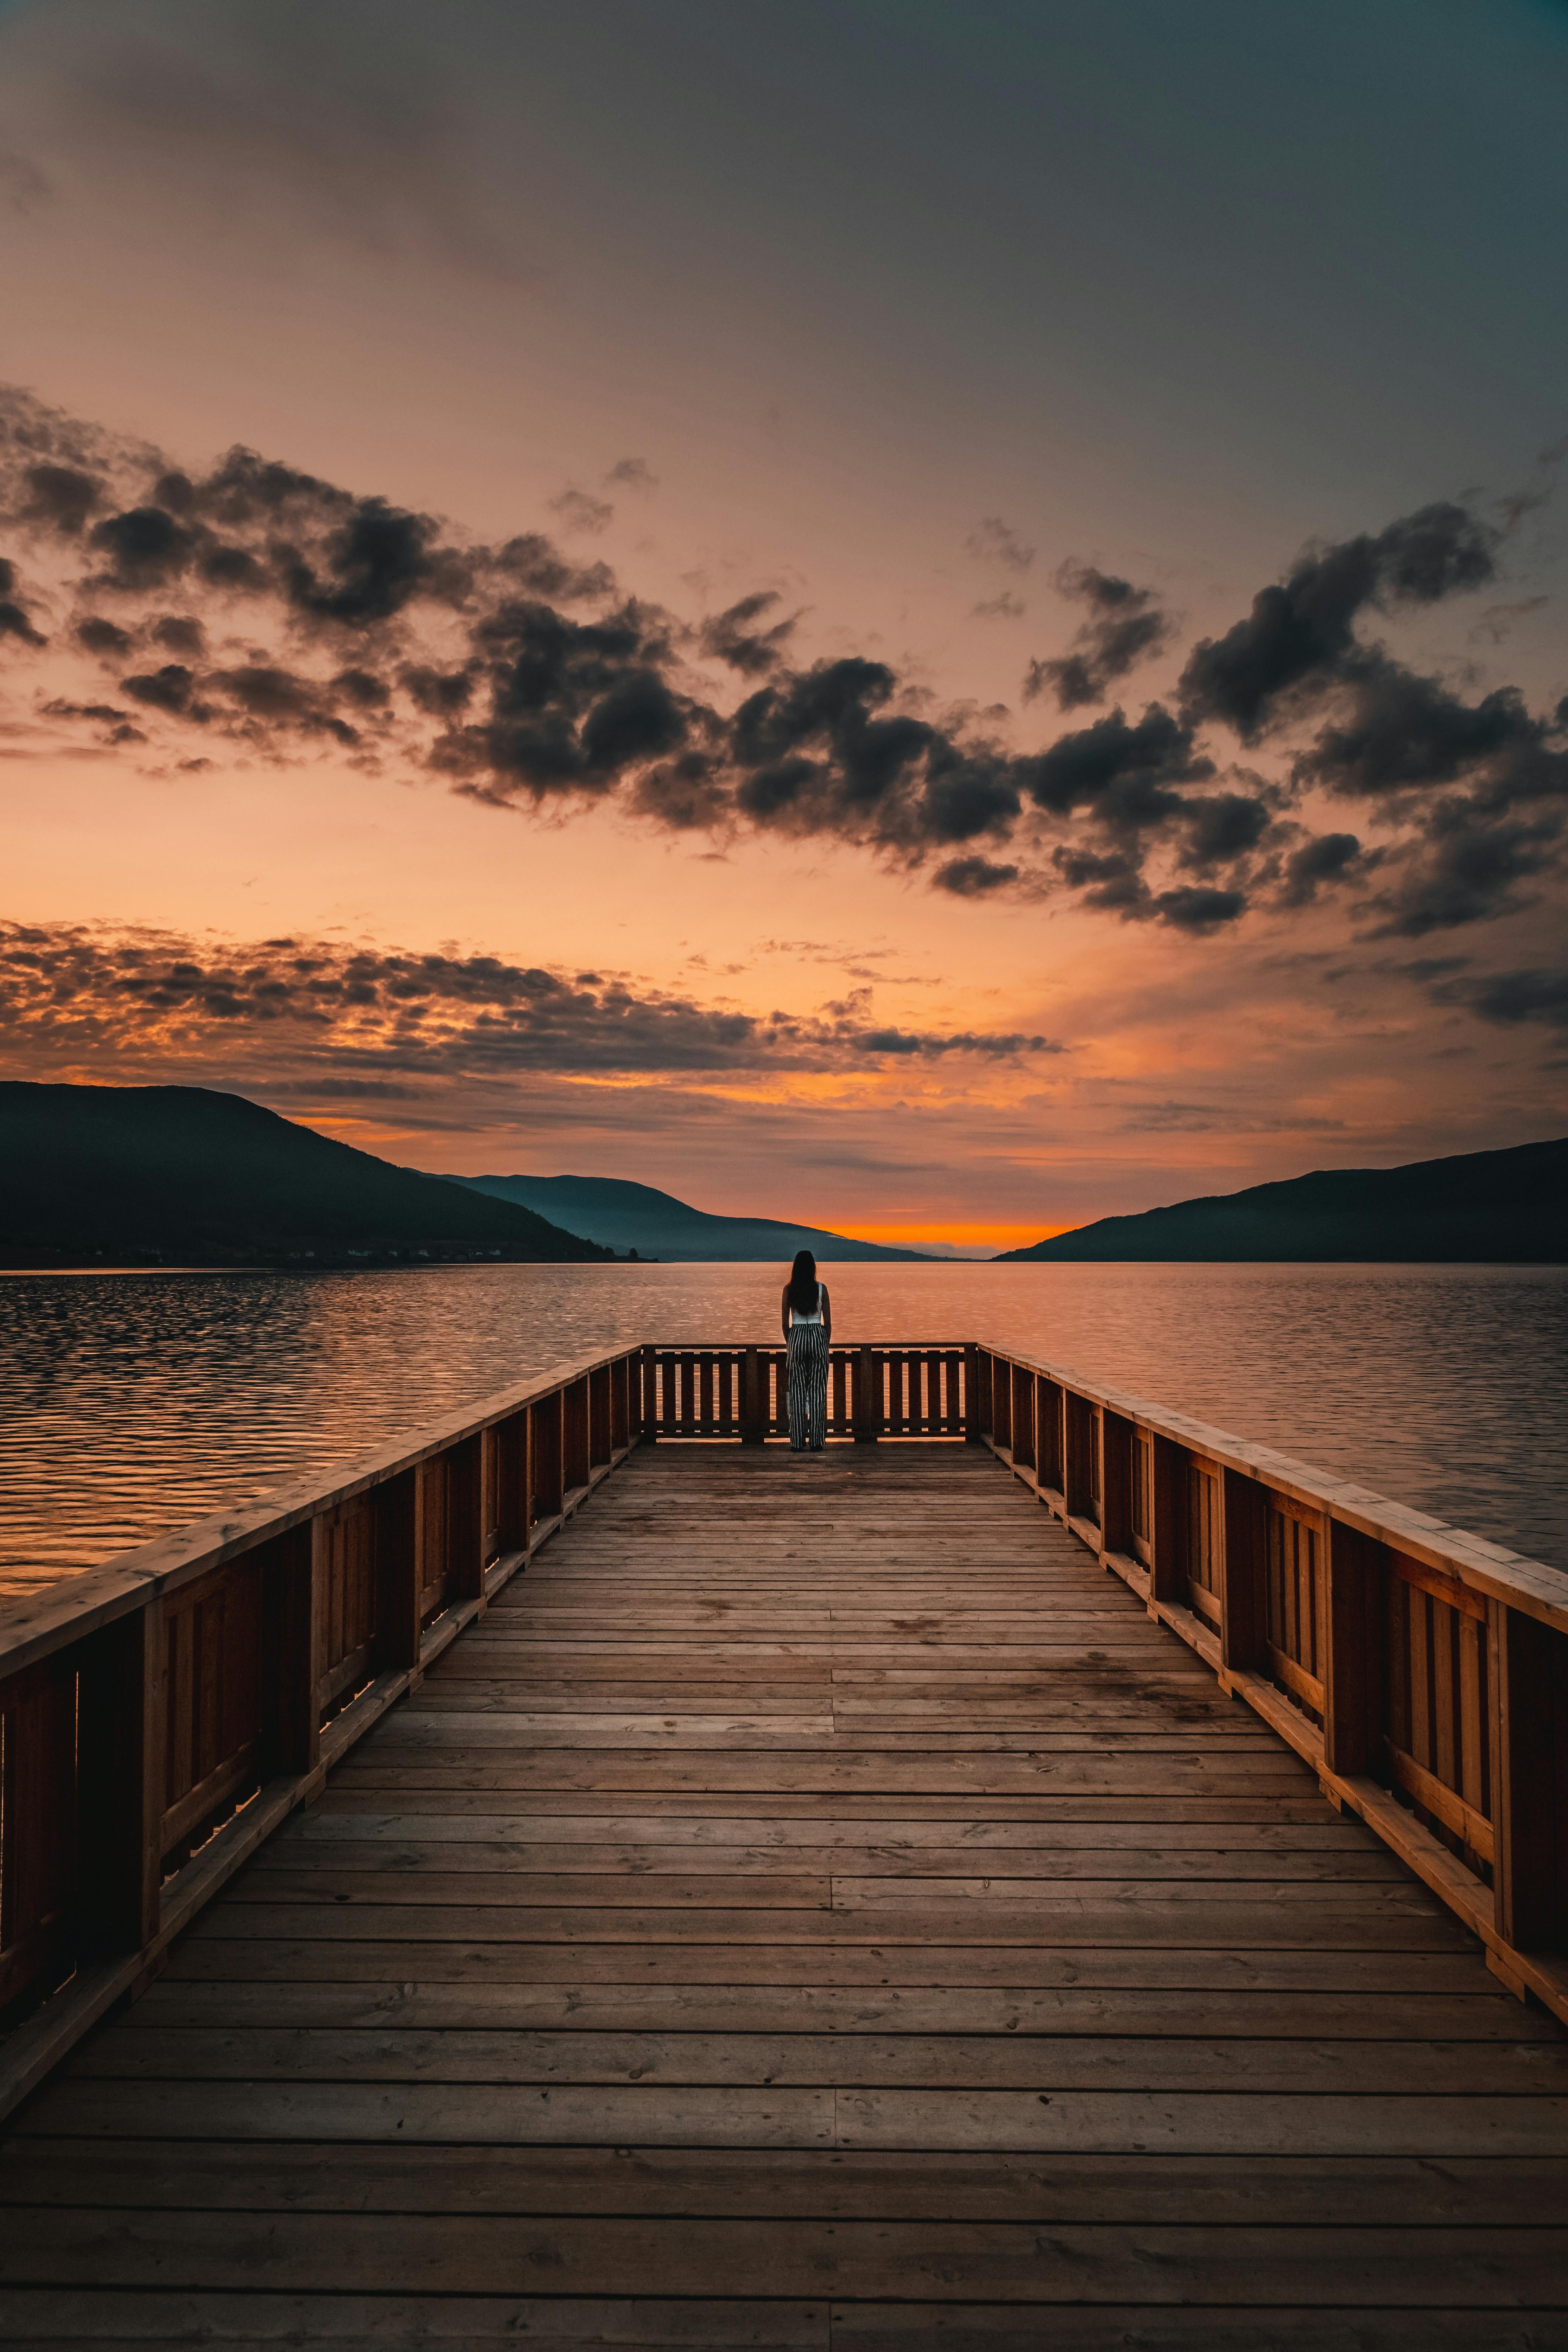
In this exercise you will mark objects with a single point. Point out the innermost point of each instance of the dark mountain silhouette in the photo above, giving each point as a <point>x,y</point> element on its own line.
<point>1501,1207</point>
<point>655,1225</point>
<point>178,1175</point>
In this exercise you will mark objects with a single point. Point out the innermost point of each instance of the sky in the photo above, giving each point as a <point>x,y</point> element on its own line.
<point>936,619</point>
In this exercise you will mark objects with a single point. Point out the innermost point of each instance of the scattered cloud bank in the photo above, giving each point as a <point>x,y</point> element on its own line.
<point>257,605</point>
<point>77,995</point>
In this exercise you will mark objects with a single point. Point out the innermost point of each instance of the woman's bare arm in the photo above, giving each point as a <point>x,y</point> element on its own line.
<point>785,1304</point>
<point>827,1314</point>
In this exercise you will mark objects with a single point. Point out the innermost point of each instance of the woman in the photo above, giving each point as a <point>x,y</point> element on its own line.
<point>808,1327</point>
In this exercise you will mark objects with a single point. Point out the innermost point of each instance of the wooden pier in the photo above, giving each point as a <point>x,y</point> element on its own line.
<point>588,1877</point>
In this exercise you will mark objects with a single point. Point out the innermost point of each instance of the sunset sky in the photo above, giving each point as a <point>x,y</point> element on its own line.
<point>937,617</point>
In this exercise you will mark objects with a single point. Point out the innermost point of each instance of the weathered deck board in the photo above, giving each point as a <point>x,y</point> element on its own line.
<point>814,1907</point>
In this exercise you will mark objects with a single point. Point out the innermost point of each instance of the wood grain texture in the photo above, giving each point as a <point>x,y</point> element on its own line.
<point>814,1907</point>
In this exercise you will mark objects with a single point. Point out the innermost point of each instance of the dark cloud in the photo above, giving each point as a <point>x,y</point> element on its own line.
<point>62,496</point>
<point>145,547</point>
<point>1125,626</point>
<point>996,542</point>
<point>1509,998</point>
<point>735,637</point>
<point>1197,909</point>
<point>13,621</point>
<point>1467,868</point>
<point>1300,635</point>
<point>1327,858</point>
<point>972,878</point>
<point>172,689</point>
<point>97,635</point>
<point>1220,826</point>
<point>916,1041</point>
<point>1399,731</point>
<point>280,699</point>
<point>1110,880</point>
<point>371,567</point>
<point>1003,607</point>
<point>571,704</point>
<point>580,511</point>
<point>633,474</point>
<point>1126,775</point>
<point>180,633</point>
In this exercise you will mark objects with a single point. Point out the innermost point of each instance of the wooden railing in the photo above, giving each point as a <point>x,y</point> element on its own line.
<point>872,1393</point>
<point>161,1714</point>
<point>1421,1670</point>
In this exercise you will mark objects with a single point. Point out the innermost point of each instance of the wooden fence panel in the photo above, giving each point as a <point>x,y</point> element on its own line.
<point>1205,1538</point>
<point>212,1688</point>
<point>1081,1462</point>
<point>1295,1600</point>
<point>1435,1739</point>
<point>37,1828</point>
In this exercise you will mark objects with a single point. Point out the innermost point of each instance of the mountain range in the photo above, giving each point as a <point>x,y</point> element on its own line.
<point>184,1175</point>
<point>655,1225</point>
<point>180,1175</point>
<point>1498,1207</point>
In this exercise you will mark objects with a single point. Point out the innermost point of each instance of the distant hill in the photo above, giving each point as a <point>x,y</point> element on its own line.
<point>139,1175</point>
<point>655,1225</point>
<point>1499,1207</point>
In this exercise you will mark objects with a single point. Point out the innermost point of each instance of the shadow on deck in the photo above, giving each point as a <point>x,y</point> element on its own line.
<point>814,1907</point>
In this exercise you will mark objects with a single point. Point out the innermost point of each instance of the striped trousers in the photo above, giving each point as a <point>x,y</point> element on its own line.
<point>806,1386</point>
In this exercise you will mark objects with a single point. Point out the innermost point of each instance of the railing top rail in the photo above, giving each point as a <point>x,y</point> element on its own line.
<point>1486,1567</point>
<point>40,1623</point>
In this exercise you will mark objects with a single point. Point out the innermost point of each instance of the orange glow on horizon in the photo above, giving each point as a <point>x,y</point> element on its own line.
<point>962,1236</point>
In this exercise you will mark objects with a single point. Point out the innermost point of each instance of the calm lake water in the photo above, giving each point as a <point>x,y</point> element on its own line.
<point>132,1402</point>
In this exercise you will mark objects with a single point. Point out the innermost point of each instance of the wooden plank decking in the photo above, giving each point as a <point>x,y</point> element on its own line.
<point>814,1907</point>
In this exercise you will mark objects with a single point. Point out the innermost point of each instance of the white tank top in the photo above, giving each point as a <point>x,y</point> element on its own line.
<point>796,1317</point>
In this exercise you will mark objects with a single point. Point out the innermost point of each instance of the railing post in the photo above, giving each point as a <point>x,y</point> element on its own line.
<point>1528,1676</point>
<point>119,1785</point>
<point>970,1421</point>
<point>505,1483</point>
<point>649,1375</point>
<point>867,1403</point>
<point>465,1519</point>
<point>754,1423</point>
<point>1243,1563</point>
<point>292,1593</point>
<point>545,1448</point>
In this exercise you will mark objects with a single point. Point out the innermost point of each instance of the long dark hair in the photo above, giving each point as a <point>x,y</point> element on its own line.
<point>802,1283</point>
